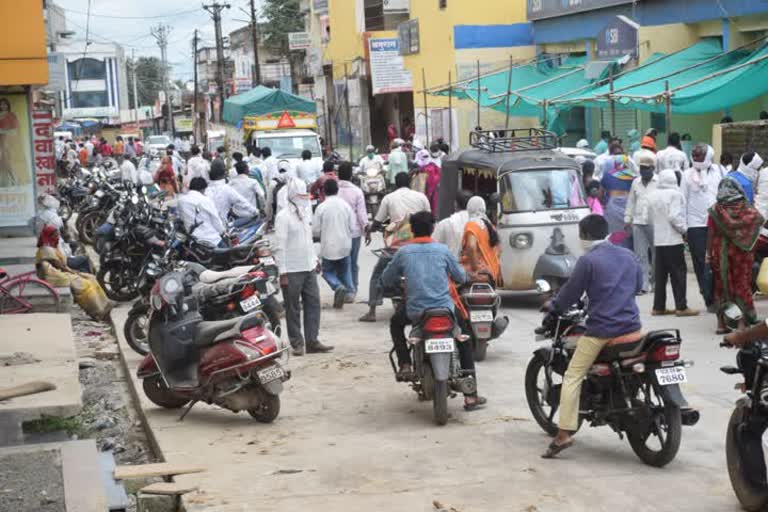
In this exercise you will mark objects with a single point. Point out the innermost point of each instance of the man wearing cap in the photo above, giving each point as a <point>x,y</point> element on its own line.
<point>636,216</point>
<point>371,161</point>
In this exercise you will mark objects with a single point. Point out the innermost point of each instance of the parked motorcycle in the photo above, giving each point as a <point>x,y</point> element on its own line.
<point>237,364</point>
<point>436,369</point>
<point>482,304</point>
<point>632,387</point>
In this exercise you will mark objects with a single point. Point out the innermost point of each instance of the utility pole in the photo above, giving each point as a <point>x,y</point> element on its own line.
<point>195,115</point>
<point>135,89</point>
<point>160,33</point>
<point>215,9</point>
<point>255,36</point>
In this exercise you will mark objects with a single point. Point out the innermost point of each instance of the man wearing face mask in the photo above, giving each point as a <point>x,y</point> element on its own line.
<point>610,276</point>
<point>699,187</point>
<point>371,161</point>
<point>636,215</point>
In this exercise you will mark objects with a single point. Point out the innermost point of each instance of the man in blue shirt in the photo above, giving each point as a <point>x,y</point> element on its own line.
<point>427,267</point>
<point>611,277</point>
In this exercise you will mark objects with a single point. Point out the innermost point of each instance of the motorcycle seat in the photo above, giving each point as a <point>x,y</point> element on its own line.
<point>212,332</point>
<point>212,276</point>
<point>622,348</point>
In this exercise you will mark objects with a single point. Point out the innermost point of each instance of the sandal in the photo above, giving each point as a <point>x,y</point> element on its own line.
<point>723,330</point>
<point>553,449</point>
<point>477,403</point>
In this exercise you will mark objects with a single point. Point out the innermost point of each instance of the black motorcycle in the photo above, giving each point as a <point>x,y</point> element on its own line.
<point>749,421</point>
<point>632,387</point>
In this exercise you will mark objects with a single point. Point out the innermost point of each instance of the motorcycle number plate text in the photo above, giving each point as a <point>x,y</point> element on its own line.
<point>437,345</point>
<point>270,374</point>
<point>669,376</point>
<point>268,260</point>
<point>250,304</point>
<point>481,316</point>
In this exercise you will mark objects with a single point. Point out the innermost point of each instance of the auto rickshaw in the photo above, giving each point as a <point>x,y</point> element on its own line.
<point>535,196</point>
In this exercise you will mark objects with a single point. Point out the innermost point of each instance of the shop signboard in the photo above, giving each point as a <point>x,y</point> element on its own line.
<point>45,157</point>
<point>397,6</point>
<point>540,9</point>
<point>183,124</point>
<point>388,72</point>
<point>618,38</point>
<point>17,205</point>
<point>299,41</point>
<point>280,120</point>
<point>320,6</point>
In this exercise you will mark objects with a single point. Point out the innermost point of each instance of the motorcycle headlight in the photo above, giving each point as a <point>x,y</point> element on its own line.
<point>99,193</point>
<point>521,241</point>
<point>118,232</point>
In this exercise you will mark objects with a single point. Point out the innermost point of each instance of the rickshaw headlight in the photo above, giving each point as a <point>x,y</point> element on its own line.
<point>521,241</point>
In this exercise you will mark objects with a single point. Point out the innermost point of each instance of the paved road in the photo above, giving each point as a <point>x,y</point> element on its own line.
<point>350,438</point>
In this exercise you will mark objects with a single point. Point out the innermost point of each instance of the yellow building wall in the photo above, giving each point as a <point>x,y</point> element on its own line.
<point>346,43</point>
<point>23,54</point>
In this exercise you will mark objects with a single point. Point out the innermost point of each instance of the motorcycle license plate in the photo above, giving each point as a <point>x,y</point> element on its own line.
<point>438,345</point>
<point>267,260</point>
<point>270,374</point>
<point>481,316</point>
<point>373,199</point>
<point>250,304</point>
<point>669,376</point>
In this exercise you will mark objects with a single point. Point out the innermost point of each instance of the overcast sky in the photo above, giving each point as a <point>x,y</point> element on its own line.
<point>128,23</point>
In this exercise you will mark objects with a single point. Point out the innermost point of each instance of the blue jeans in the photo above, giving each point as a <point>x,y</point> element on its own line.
<point>353,257</point>
<point>338,273</point>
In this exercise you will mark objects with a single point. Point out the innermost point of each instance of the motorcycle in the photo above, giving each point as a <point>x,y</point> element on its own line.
<point>374,188</point>
<point>482,304</point>
<point>744,437</point>
<point>236,364</point>
<point>436,370</point>
<point>632,387</point>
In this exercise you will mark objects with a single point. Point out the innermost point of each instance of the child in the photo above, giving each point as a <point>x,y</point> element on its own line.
<point>593,197</point>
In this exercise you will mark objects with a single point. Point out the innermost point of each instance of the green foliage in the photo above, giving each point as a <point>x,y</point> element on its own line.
<point>149,71</point>
<point>54,424</point>
<point>282,16</point>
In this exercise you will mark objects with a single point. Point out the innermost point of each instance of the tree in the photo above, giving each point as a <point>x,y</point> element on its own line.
<point>149,71</point>
<point>282,17</point>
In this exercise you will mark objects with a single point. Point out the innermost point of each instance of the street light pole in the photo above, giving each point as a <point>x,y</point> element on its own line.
<point>215,10</point>
<point>160,34</point>
<point>255,38</point>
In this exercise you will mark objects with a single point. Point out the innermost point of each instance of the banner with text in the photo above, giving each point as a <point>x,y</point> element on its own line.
<point>388,72</point>
<point>17,205</point>
<point>45,159</point>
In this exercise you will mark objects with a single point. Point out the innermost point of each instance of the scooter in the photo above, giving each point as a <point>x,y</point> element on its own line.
<point>237,364</point>
<point>482,304</point>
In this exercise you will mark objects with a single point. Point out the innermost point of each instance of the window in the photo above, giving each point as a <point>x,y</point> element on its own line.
<point>408,34</point>
<point>377,18</point>
<point>290,147</point>
<point>442,4</point>
<point>87,69</point>
<point>89,99</point>
<point>544,189</point>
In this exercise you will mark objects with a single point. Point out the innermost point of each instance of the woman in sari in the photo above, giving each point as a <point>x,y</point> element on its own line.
<point>52,268</point>
<point>733,228</point>
<point>480,245</point>
<point>166,178</point>
<point>618,173</point>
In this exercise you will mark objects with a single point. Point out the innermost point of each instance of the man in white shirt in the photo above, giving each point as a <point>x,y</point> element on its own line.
<point>248,187</point>
<point>197,167</point>
<point>60,148</point>
<point>636,215</point>
<point>354,197</point>
<point>396,207</point>
<point>371,161</point>
<point>398,162</point>
<point>308,170</point>
<point>89,146</point>
<point>672,157</point>
<point>195,208</point>
<point>226,198</point>
<point>270,165</point>
<point>699,186</point>
<point>128,172</point>
<point>333,224</point>
<point>297,264</point>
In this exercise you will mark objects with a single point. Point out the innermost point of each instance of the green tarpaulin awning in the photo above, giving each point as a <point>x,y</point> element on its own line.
<point>263,100</point>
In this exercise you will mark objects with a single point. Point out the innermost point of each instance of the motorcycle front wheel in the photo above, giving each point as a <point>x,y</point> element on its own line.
<point>87,226</point>
<point>136,328</point>
<point>118,281</point>
<point>746,464</point>
<point>543,394</point>
<point>658,446</point>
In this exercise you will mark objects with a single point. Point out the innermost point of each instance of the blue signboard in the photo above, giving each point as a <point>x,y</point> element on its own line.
<point>540,9</point>
<point>617,39</point>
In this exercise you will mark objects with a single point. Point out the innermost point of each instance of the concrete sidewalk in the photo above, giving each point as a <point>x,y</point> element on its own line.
<point>349,438</point>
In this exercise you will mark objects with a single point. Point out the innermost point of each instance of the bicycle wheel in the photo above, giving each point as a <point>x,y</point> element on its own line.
<point>22,294</point>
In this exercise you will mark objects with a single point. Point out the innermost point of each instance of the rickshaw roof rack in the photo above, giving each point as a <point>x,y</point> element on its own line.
<point>513,139</point>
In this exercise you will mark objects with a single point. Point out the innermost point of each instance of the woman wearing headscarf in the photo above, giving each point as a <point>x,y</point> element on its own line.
<point>165,177</point>
<point>432,171</point>
<point>419,174</point>
<point>747,173</point>
<point>52,267</point>
<point>618,173</point>
<point>733,228</point>
<point>480,245</point>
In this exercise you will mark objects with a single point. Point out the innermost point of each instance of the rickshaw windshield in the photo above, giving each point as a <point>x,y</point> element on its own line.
<point>541,189</point>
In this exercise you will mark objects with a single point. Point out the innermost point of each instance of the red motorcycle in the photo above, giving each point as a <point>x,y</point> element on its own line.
<point>236,364</point>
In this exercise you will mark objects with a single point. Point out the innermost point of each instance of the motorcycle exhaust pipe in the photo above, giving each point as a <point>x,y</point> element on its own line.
<point>689,417</point>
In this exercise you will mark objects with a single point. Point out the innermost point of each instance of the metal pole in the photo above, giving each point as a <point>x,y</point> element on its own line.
<point>478,93</point>
<point>613,105</point>
<point>255,37</point>
<point>509,91</point>
<point>195,115</point>
<point>545,118</point>
<point>329,129</point>
<point>450,110</point>
<point>426,111</point>
<point>135,89</point>
<point>160,34</point>
<point>346,102</point>
<point>668,108</point>
<point>215,9</point>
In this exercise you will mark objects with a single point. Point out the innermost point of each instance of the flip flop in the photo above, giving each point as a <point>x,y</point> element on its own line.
<point>554,449</point>
<point>723,330</point>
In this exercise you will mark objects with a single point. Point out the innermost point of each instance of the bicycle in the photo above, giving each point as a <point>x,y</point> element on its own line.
<point>16,292</point>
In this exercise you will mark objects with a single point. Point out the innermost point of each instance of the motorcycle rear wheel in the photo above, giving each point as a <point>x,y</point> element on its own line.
<point>65,210</point>
<point>135,330</point>
<point>534,395</point>
<point>668,427</point>
<point>750,495</point>
<point>117,283</point>
<point>440,402</point>
<point>480,348</point>
<point>87,226</point>
<point>269,409</point>
<point>160,394</point>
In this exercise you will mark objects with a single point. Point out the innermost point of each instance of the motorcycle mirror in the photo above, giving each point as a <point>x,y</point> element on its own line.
<point>543,286</point>
<point>732,315</point>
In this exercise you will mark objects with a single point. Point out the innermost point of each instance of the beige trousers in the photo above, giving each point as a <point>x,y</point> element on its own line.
<point>587,350</point>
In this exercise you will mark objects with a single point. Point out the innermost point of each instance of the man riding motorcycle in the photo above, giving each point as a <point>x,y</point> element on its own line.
<point>611,277</point>
<point>427,267</point>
